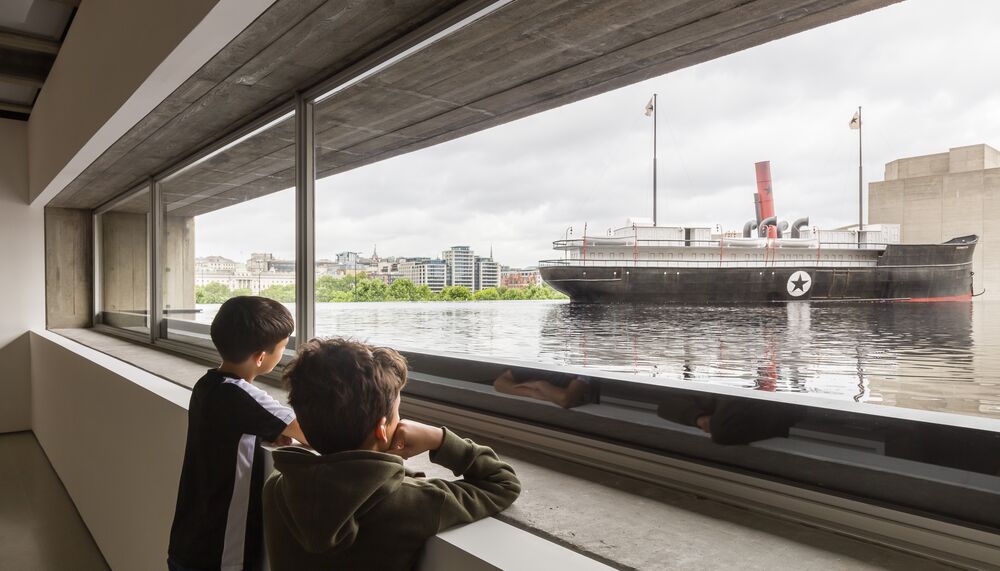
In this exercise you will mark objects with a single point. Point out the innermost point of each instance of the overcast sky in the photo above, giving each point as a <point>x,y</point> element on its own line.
<point>924,72</point>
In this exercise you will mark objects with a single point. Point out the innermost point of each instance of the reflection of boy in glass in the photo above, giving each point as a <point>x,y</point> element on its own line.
<point>563,389</point>
<point>730,420</point>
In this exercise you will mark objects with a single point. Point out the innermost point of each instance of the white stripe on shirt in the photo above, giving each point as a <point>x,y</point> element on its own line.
<point>236,521</point>
<point>266,401</point>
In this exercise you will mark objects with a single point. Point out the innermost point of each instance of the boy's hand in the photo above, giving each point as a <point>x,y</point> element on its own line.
<point>283,441</point>
<point>412,438</point>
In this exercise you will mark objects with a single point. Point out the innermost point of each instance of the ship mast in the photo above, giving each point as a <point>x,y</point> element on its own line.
<point>856,124</point>
<point>651,110</point>
<point>861,218</point>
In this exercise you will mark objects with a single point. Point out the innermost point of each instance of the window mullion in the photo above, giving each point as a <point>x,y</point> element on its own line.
<point>305,220</point>
<point>155,291</point>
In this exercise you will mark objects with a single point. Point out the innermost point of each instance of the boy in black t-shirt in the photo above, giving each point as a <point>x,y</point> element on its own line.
<point>218,522</point>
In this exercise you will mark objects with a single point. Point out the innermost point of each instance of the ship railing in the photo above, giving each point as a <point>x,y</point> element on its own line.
<point>598,241</point>
<point>761,264</point>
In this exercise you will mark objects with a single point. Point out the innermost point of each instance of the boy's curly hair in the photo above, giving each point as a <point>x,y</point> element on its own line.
<point>340,389</point>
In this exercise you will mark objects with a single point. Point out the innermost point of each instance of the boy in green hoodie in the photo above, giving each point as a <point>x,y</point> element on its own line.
<point>351,504</point>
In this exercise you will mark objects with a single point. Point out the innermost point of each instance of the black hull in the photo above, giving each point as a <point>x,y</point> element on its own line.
<point>941,272</point>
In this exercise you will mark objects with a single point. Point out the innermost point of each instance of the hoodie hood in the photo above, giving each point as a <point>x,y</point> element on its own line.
<point>322,496</point>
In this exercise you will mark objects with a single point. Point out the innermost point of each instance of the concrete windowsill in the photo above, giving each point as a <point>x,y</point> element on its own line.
<point>623,522</point>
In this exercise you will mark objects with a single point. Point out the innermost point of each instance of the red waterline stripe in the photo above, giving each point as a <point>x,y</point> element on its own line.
<point>964,297</point>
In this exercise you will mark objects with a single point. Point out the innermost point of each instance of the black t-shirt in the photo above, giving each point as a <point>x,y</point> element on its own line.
<point>218,522</point>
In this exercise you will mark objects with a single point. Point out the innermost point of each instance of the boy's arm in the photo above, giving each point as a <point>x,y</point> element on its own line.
<point>489,485</point>
<point>293,430</point>
<point>250,410</point>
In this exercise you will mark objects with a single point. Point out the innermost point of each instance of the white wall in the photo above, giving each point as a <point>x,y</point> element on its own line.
<point>22,299</point>
<point>115,435</point>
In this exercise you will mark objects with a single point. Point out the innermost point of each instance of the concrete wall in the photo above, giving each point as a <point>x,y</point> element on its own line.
<point>69,292</point>
<point>178,256</point>
<point>115,435</point>
<point>22,301</point>
<point>119,60</point>
<point>935,198</point>
<point>124,261</point>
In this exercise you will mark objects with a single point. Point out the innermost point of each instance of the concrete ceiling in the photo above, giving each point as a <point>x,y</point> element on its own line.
<point>527,57</point>
<point>31,32</point>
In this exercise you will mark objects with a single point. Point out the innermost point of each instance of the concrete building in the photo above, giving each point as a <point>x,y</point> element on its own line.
<point>461,266</point>
<point>214,264</point>
<point>256,282</point>
<point>935,198</point>
<point>424,271</point>
<point>487,273</point>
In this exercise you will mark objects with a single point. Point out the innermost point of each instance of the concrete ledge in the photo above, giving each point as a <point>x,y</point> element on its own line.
<point>487,544</point>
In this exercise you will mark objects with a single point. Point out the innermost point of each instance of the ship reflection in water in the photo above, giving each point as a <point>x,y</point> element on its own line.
<point>939,356</point>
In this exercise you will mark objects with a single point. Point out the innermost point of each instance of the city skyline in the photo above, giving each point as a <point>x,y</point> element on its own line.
<point>519,186</point>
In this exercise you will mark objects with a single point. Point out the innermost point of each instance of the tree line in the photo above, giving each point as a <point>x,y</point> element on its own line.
<point>361,289</point>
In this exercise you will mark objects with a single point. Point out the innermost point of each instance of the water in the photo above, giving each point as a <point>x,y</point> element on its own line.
<point>943,356</point>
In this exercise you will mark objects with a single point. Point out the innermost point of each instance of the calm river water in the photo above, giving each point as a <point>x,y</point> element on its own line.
<point>943,356</point>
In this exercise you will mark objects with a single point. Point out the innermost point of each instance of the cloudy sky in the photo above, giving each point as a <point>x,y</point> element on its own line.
<point>923,71</point>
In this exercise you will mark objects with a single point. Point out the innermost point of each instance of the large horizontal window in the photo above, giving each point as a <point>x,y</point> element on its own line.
<point>353,213</point>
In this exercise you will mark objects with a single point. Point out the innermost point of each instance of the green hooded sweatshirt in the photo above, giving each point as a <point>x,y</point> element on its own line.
<point>360,509</point>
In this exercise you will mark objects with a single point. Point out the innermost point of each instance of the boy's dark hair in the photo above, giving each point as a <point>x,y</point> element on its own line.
<point>249,324</point>
<point>340,389</point>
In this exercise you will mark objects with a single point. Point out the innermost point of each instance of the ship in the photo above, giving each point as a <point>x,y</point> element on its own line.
<point>770,261</point>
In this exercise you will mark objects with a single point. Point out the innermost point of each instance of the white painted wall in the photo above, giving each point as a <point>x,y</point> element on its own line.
<point>119,60</point>
<point>115,435</point>
<point>22,277</point>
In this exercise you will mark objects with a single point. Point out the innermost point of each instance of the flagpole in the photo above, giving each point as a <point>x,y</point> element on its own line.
<point>654,158</point>
<point>861,224</point>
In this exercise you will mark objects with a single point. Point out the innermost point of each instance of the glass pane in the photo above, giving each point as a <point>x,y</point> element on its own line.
<point>124,263</point>
<point>405,247</point>
<point>228,230</point>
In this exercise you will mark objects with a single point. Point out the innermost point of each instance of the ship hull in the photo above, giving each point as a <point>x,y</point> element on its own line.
<point>940,272</point>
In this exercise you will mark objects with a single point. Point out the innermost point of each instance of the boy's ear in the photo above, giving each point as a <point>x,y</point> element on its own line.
<point>382,432</point>
<point>258,357</point>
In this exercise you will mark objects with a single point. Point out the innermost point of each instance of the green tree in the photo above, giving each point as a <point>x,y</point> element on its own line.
<point>327,287</point>
<point>212,292</point>
<point>406,290</point>
<point>280,293</point>
<point>330,288</point>
<point>455,293</point>
<point>511,294</point>
<point>488,294</point>
<point>552,293</point>
<point>241,291</point>
<point>370,290</point>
